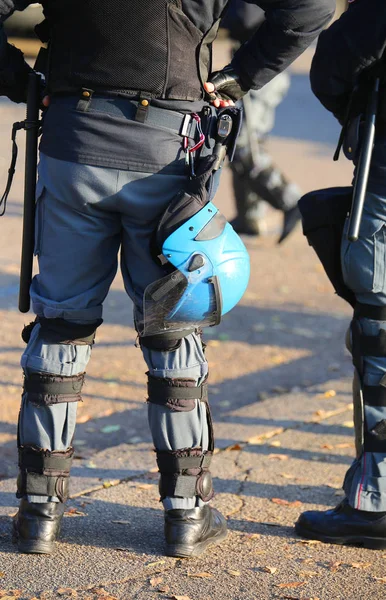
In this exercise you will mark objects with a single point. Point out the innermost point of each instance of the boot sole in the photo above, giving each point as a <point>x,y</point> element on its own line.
<point>183,551</point>
<point>31,546</point>
<point>372,543</point>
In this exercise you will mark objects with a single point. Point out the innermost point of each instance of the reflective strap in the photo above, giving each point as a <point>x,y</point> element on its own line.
<point>169,463</point>
<point>53,385</point>
<point>373,345</point>
<point>45,462</point>
<point>161,390</point>
<point>374,395</point>
<point>377,313</point>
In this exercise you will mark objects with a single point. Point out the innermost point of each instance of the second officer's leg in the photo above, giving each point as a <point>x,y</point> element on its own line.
<point>178,409</point>
<point>77,247</point>
<point>361,517</point>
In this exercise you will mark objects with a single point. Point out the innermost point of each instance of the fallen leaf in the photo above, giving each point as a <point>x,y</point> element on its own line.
<point>163,588</point>
<point>233,573</point>
<point>327,447</point>
<point>283,502</point>
<point>252,536</point>
<point>154,581</point>
<point>348,424</point>
<point>234,447</point>
<point>292,584</point>
<point>271,570</point>
<point>380,579</point>
<point>156,563</point>
<point>144,486</point>
<point>278,456</point>
<point>121,522</point>
<point>260,439</point>
<point>287,476</point>
<point>74,512</point>
<point>345,445</point>
<point>329,394</point>
<point>358,565</point>
<point>202,575</point>
<point>4,594</point>
<point>109,484</point>
<point>307,573</point>
<point>110,428</point>
<point>275,444</point>
<point>259,552</point>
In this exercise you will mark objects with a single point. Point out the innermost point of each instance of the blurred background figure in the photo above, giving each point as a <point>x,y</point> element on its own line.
<point>255,177</point>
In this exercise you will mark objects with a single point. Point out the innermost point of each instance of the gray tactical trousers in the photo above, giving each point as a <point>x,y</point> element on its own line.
<point>85,215</point>
<point>364,270</point>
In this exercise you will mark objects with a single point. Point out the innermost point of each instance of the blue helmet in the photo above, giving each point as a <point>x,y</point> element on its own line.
<point>208,272</point>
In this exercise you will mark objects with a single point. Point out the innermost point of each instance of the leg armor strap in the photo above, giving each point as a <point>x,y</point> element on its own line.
<point>185,474</point>
<point>44,473</point>
<point>177,394</point>
<point>46,389</point>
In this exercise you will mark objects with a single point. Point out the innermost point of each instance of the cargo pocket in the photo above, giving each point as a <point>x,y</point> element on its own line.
<point>39,218</point>
<point>363,262</point>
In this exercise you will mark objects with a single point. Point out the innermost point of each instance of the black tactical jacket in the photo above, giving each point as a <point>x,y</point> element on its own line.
<point>346,51</point>
<point>289,27</point>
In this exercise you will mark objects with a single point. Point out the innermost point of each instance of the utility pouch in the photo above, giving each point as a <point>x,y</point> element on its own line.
<point>324,214</point>
<point>187,202</point>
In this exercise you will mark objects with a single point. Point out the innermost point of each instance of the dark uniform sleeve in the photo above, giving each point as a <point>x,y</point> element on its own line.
<point>13,68</point>
<point>289,28</point>
<point>350,46</point>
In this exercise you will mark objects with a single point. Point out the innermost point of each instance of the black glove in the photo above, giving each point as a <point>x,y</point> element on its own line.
<point>14,75</point>
<point>228,85</point>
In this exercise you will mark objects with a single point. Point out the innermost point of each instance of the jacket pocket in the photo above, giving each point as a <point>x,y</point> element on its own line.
<point>363,262</point>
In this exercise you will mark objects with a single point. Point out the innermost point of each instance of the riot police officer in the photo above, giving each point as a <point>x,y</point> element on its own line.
<point>358,39</point>
<point>255,176</point>
<point>120,168</point>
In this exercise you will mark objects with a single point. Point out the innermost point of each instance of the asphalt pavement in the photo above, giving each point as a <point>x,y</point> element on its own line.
<point>281,401</point>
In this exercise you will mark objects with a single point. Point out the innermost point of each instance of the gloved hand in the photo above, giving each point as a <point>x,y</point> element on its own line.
<point>14,75</point>
<point>227,86</point>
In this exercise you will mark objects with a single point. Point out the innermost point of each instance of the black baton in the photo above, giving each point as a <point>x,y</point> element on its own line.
<point>364,162</point>
<point>31,158</point>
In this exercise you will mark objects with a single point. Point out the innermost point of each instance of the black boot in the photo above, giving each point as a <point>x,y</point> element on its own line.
<point>344,525</point>
<point>189,532</point>
<point>36,526</point>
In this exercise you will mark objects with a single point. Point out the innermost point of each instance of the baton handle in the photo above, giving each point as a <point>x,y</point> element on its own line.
<point>364,163</point>
<point>31,158</point>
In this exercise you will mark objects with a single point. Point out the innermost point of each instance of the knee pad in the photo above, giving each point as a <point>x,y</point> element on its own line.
<point>60,331</point>
<point>44,473</point>
<point>165,342</point>
<point>183,473</point>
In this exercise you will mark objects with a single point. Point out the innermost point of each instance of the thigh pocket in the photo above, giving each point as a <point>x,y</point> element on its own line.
<point>39,218</point>
<point>363,262</point>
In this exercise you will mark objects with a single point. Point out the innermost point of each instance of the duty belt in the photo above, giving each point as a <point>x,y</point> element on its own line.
<point>136,110</point>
